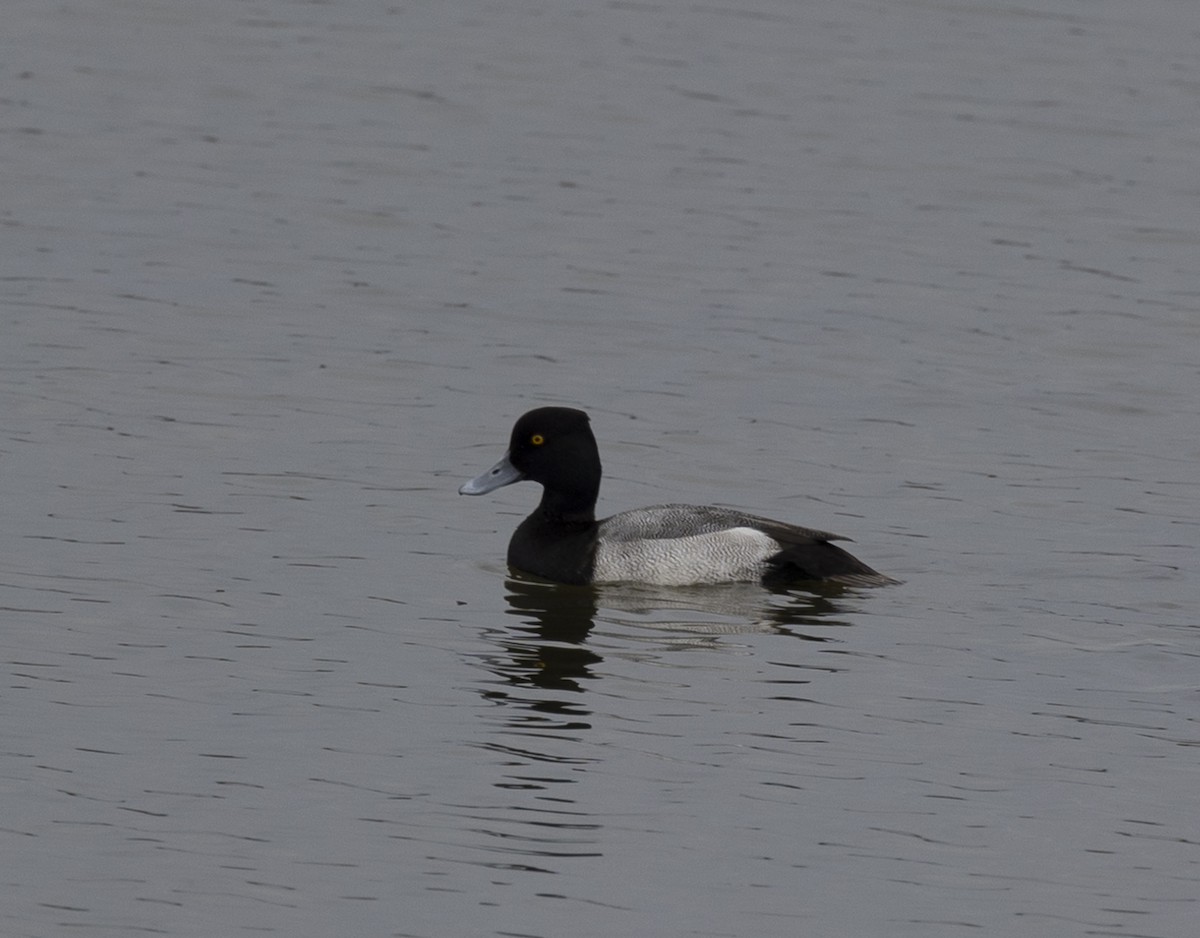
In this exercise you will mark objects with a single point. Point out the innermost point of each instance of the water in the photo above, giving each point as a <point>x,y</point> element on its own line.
<point>278,276</point>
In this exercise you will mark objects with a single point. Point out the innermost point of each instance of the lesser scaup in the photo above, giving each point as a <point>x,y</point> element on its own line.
<point>667,545</point>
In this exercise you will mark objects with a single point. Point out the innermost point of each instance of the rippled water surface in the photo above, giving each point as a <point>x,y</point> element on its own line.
<point>277,276</point>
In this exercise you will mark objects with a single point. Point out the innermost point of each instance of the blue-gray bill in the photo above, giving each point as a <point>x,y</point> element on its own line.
<point>502,474</point>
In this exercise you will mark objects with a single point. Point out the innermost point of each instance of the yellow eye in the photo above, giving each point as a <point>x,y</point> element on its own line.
<point>537,439</point>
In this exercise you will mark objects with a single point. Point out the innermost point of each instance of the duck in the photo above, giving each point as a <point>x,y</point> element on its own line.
<point>662,545</point>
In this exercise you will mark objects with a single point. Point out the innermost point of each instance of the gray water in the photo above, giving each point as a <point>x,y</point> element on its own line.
<point>278,276</point>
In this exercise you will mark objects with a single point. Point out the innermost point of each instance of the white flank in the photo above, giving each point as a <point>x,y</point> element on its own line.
<point>720,557</point>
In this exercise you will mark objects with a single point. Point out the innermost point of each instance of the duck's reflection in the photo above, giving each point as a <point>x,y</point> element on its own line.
<point>548,648</point>
<point>707,612</point>
<point>545,647</point>
<point>547,661</point>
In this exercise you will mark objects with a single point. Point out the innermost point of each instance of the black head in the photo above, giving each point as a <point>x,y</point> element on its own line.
<point>553,446</point>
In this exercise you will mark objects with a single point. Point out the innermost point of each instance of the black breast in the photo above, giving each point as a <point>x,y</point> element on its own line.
<point>563,551</point>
